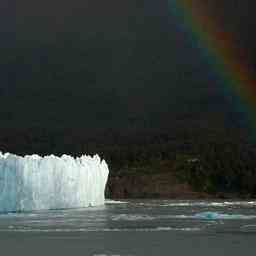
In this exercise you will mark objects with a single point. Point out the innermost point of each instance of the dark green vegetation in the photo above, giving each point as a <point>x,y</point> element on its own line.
<point>150,164</point>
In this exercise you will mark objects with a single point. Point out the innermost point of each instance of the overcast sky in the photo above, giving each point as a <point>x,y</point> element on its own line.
<point>112,60</point>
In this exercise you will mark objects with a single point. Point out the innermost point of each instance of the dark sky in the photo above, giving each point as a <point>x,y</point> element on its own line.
<point>96,64</point>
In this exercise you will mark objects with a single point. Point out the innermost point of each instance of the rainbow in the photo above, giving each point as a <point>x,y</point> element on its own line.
<point>227,60</point>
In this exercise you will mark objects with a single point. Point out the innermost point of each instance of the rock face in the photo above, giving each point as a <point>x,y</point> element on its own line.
<point>163,185</point>
<point>36,183</point>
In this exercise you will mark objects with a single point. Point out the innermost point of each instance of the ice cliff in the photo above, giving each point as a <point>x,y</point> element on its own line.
<point>50,182</point>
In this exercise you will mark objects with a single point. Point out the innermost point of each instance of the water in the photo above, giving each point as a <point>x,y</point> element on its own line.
<point>134,227</point>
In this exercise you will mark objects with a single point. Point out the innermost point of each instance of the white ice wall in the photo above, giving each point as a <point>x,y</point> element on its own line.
<point>50,182</point>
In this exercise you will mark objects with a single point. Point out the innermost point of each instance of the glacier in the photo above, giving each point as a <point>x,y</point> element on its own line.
<point>33,182</point>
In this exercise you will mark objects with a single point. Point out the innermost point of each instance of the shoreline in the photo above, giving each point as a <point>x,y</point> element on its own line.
<point>162,186</point>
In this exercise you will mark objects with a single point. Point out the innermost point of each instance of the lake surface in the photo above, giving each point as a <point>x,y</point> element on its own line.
<point>134,227</point>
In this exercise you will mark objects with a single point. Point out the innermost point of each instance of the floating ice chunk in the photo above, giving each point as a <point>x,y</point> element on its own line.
<point>221,216</point>
<point>35,183</point>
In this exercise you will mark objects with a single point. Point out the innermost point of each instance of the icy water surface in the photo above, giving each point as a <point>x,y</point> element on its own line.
<point>134,227</point>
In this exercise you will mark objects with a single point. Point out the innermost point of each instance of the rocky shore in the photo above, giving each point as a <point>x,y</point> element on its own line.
<point>150,186</point>
<point>163,185</point>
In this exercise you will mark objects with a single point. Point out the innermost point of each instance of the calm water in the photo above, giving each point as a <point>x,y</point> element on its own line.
<point>141,227</point>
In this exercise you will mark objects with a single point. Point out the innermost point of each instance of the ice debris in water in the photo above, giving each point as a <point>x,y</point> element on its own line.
<point>35,183</point>
<point>220,216</point>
